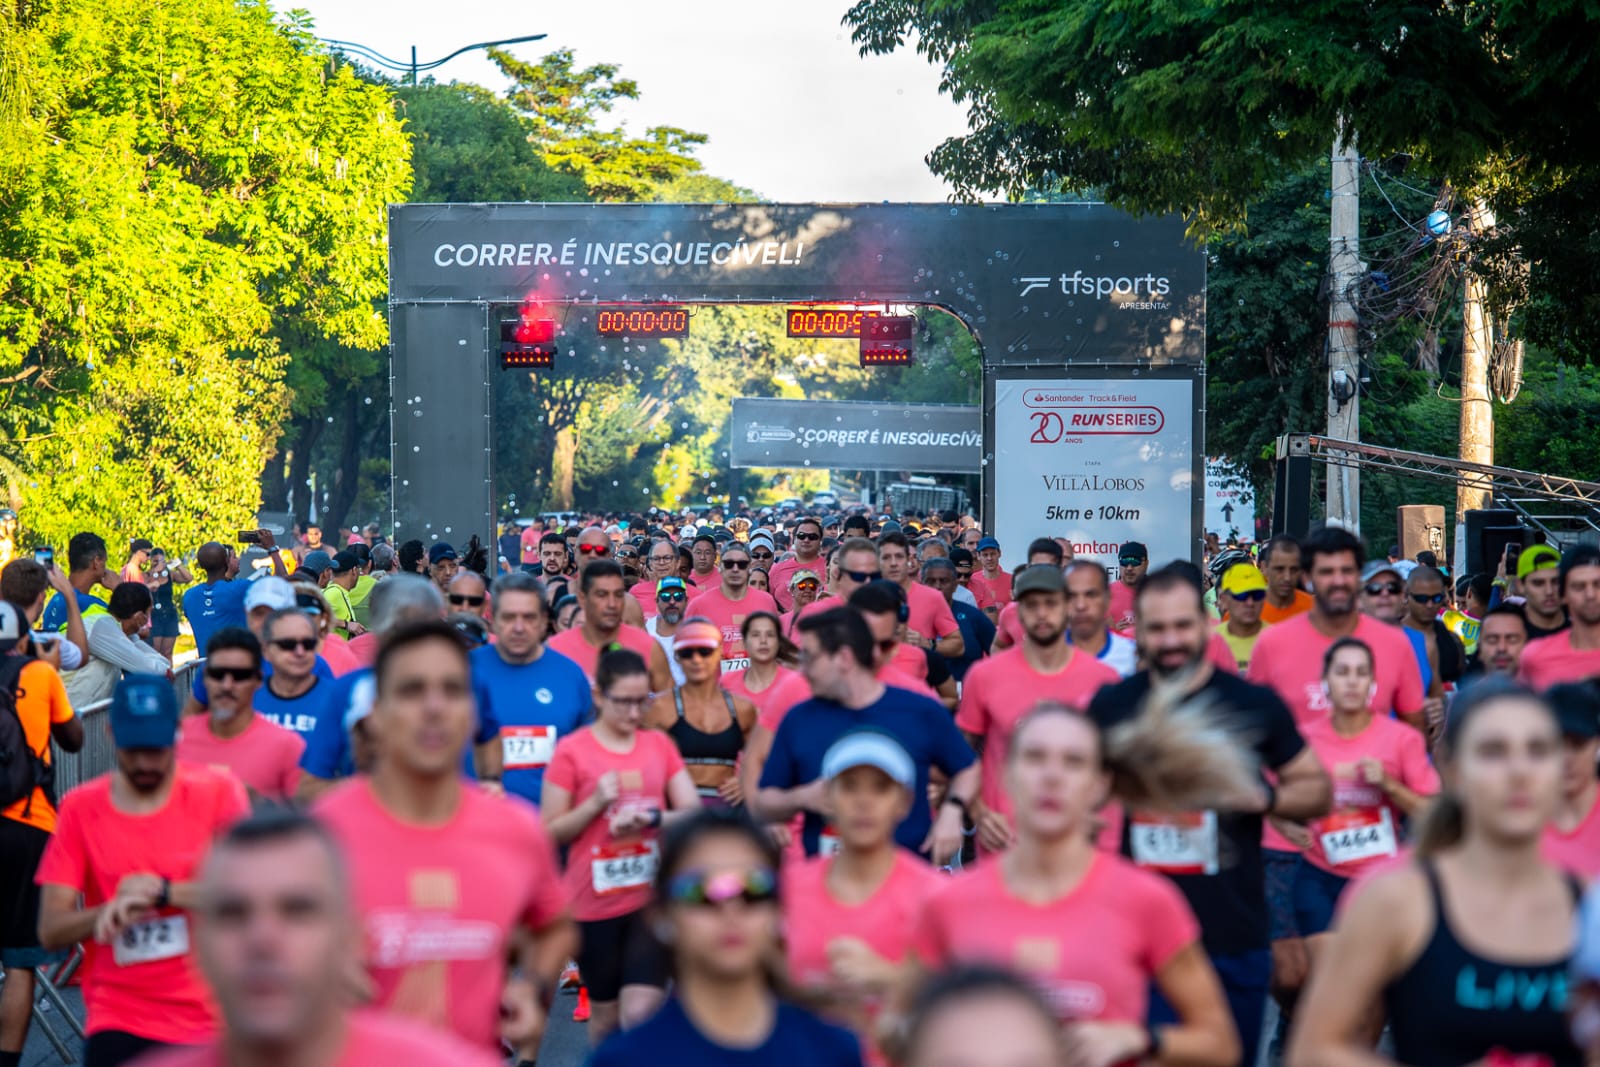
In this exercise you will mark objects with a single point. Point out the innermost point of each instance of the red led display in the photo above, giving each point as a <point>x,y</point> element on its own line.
<point>886,340</point>
<point>825,322</point>
<point>528,342</point>
<point>643,322</point>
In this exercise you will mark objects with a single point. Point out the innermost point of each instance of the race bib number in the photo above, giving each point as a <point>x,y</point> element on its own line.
<point>828,842</point>
<point>740,664</point>
<point>1175,843</point>
<point>152,940</point>
<point>619,867</point>
<point>527,747</point>
<point>1353,836</point>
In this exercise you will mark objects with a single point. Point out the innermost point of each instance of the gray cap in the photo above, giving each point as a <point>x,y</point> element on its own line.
<point>1377,567</point>
<point>1045,578</point>
<point>316,562</point>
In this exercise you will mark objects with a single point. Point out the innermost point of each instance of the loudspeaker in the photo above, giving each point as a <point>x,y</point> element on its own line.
<point>1420,528</point>
<point>1488,531</point>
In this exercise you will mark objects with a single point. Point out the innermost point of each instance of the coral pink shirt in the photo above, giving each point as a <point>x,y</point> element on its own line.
<point>149,984</point>
<point>1549,661</point>
<point>1000,690</point>
<point>735,683</point>
<point>440,904</point>
<point>1094,953</point>
<point>794,689</point>
<point>783,572</point>
<point>813,920</point>
<point>573,645</point>
<point>265,757</point>
<point>928,612</point>
<point>1362,829</point>
<point>729,616</point>
<point>1288,659</point>
<point>1578,851</point>
<point>371,1039</point>
<point>1122,599</point>
<point>611,876</point>
<point>990,591</point>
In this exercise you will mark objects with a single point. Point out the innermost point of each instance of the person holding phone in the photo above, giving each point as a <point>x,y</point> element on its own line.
<point>159,577</point>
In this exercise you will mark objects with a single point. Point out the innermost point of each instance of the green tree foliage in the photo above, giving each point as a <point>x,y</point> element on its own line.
<point>565,106</point>
<point>181,185</point>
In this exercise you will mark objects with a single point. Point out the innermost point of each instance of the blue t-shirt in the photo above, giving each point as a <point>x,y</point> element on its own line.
<point>54,619</point>
<point>798,1039</point>
<point>320,669</point>
<point>977,633</point>
<point>210,607</point>
<point>327,753</point>
<point>551,692</point>
<point>300,713</point>
<point>923,727</point>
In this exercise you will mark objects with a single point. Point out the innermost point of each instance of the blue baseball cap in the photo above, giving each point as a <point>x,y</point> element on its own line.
<point>870,748</point>
<point>316,562</point>
<point>144,712</point>
<point>988,542</point>
<point>668,584</point>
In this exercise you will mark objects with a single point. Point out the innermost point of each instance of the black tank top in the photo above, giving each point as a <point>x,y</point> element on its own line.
<point>720,749</point>
<point>1452,1007</point>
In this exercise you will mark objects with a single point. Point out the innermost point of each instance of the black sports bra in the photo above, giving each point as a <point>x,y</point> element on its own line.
<point>720,749</point>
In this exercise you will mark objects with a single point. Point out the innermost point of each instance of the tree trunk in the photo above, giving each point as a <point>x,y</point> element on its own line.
<point>346,480</point>
<point>303,434</point>
<point>562,461</point>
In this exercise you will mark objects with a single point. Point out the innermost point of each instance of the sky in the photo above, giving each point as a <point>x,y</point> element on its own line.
<point>791,109</point>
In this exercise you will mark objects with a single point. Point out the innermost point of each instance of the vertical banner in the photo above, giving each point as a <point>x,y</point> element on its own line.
<point>1099,461</point>
<point>1230,502</point>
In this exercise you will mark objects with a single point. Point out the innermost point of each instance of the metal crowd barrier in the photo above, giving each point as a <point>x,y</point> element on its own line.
<point>98,755</point>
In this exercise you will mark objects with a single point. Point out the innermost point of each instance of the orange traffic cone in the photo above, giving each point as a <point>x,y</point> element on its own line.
<point>580,1014</point>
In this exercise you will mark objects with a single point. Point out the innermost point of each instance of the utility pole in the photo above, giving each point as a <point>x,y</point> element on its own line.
<point>1477,414</point>
<point>1344,355</point>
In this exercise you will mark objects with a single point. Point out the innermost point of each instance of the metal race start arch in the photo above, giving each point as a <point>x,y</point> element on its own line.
<point>1091,324</point>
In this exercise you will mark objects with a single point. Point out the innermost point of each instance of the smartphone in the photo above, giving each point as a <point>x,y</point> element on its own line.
<point>45,557</point>
<point>249,537</point>
<point>1513,550</point>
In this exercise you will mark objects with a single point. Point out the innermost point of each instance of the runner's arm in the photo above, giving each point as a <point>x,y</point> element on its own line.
<point>683,799</point>
<point>311,787</point>
<point>564,821</point>
<point>62,923</point>
<point>68,734</point>
<point>489,759</point>
<point>1303,790</point>
<point>757,746</point>
<point>75,632</point>
<point>660,669</point>
<point>1204,1035</point>
<point>1376,935</point>
<point>780,805</point>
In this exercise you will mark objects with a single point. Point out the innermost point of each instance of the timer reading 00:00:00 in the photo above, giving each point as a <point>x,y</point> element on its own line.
<point>643,322</point>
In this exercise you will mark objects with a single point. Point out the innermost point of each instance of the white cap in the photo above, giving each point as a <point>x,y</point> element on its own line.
<point>269,592</point>
<point>11,625</point>
<point>687,532</point>
<point>870,748</point>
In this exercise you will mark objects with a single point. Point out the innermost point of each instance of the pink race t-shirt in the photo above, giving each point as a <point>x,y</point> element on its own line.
<point>928,612</point>
<point>736,682</point>
<point>1552,660</point>
<point>1122,598</point>
<point>610,876</point>
<point>148,983</point>
<point>1000,690</point>
<point>371,1039</point>
<point>783,571</point>
<point>1288,659</point>
<point>885,921</point>
<point>1362,829</point>
<point>440,904</point>
<point>1010,624</point>
<point>573,645</point>
<point>990,591</point>
<point>1093,953</point>
<point>1578,851</point>
<point>1220,654</point>
<point>265,757</point>
<point>344,656</point>
<point>645,593</point>
<point>729,615</point>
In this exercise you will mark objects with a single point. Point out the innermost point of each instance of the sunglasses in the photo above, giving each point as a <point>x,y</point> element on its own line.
<point>671,598</point>
<point>594,550</point>
<point>808,537</point>
<point>807,587</point>
<point>457,600</point>
<point>1382,588</point>
<point>694,653</point>
<point>237,674</point>
<point>735,564</point>
<point>1250,595</point>
<point>862,576</point>
<point>295,644</point>
<point>761,555</point>
<point>702,889</point>
<point>1129,561</point>
<point>1436,598</point>
<point>627,555</point>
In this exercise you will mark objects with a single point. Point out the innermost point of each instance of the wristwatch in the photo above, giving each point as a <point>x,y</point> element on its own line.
<point>958,802</point>
<point>164,898</point>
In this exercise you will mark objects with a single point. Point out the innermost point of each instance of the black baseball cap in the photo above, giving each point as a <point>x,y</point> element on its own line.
<point>1133,550</point>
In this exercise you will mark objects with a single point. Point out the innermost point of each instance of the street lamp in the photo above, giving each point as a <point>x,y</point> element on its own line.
<point>414,67</point>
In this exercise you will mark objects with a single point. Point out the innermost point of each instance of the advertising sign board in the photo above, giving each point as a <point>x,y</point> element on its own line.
<point>924,438</point>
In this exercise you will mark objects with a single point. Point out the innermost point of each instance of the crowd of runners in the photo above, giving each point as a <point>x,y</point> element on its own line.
<point>796,788</point>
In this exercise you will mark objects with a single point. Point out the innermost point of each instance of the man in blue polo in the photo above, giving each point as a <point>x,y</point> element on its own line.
<point>86,568</point>
<point>534,694</point>
<point>219,600</point>
<point>837,658</point>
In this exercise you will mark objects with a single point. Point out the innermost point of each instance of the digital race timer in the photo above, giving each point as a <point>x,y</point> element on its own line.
<point>826,322</point>
<point>643,322</point>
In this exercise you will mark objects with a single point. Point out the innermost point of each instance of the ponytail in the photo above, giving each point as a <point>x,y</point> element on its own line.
<point>1178,754</point>
<point>1442,826</point>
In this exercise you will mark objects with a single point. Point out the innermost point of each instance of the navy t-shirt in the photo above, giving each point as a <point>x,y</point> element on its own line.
<point>327,753</point>
<point>977,634</point>
<point>300,713</point>
<point>211,607</point>
<point>54,619</point>
<point>923,727</point>
<point>798,1039</point>
<point>533,705</point>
